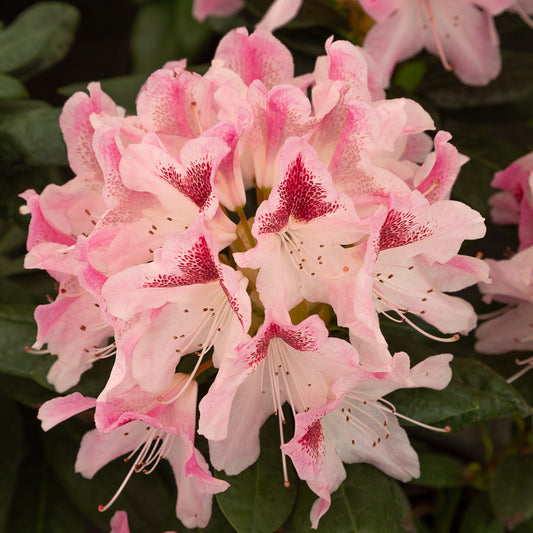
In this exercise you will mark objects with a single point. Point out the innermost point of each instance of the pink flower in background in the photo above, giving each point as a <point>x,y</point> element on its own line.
<point>512,279</point>
<point>218,8</point>
<point>512,284</point>
<point>279,13</point>
<point>515,204</point>
<point>461,32</point>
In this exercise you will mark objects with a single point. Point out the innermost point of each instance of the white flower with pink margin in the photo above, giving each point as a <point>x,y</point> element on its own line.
<point>409,260</point>
<point>281,363</point>
<point>194,301</point>
<point>359,425</point>
<point>300,231</point>
<point>149,428</point>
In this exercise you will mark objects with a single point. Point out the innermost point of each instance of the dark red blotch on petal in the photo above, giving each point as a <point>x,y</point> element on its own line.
<point>401,228</point>
<point>299,340</point>
<point>196,183</point>
<point>312,442</point>
<point>196,266</point>
<point>302,197</point>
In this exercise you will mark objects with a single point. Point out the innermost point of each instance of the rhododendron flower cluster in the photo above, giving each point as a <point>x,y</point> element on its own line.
<point>226,228</point>
<point>512,279</point>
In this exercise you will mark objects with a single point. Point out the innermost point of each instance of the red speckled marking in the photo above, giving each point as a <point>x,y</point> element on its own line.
<point>400,228</point>
<point>196,183</point>
<point>299,340</point>
<point>301,197</point>
<point>196,265</point>
<point>313,441</point>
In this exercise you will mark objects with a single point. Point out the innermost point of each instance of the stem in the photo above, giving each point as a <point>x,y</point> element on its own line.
<point>246,226</point>
<point>203,367</point>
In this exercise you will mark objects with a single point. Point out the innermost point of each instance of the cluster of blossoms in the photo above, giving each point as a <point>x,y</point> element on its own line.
<point>231,224</point>
<point>461,32</point>
<point>512,279</point>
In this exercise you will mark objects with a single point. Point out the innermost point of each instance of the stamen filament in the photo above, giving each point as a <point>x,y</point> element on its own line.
<point>134,468</point>
<point>435,31</point>
<point>105,507</point>
<point>393,410</point>
<point>528,365</point>
<point>453,338</point>
<point>433,186</point>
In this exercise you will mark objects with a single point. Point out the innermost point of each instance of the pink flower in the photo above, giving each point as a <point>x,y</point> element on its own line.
<point>298,364</point>
<point>300,230</point>
<point>512,279</point>
<point>196,303</point>
<point>512,284</point>
<point>353,219</point>
<point>461,32</point>
<point>131,420</point>
<point>360,426</point>
<point>515,204</point>
<point>119,523</point>
<point>410,259</point>
<point>202,9</point>
<point>278,14</point>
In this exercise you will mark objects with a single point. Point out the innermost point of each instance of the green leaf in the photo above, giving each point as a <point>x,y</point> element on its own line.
<point>123,89</point>
<point>475,393</point>
<point>440,470</point>
<point>408,75</point>
<point>445,507</point>
<point>368,501</point>
<point>11,440</point>
<point>479,518</point>
<point>38,38</point>
<point>257,501</point>
<point>17,330</point>
<point>40,504</point>
<point>431,406</point>
<point>31,136</point>
<point>496,398</point>
<point>11,88</point>
<point>524,527</point>
<point>25,391</point>
<point>164,30</point>
<point>514,82</point>
<point>512,489</point>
